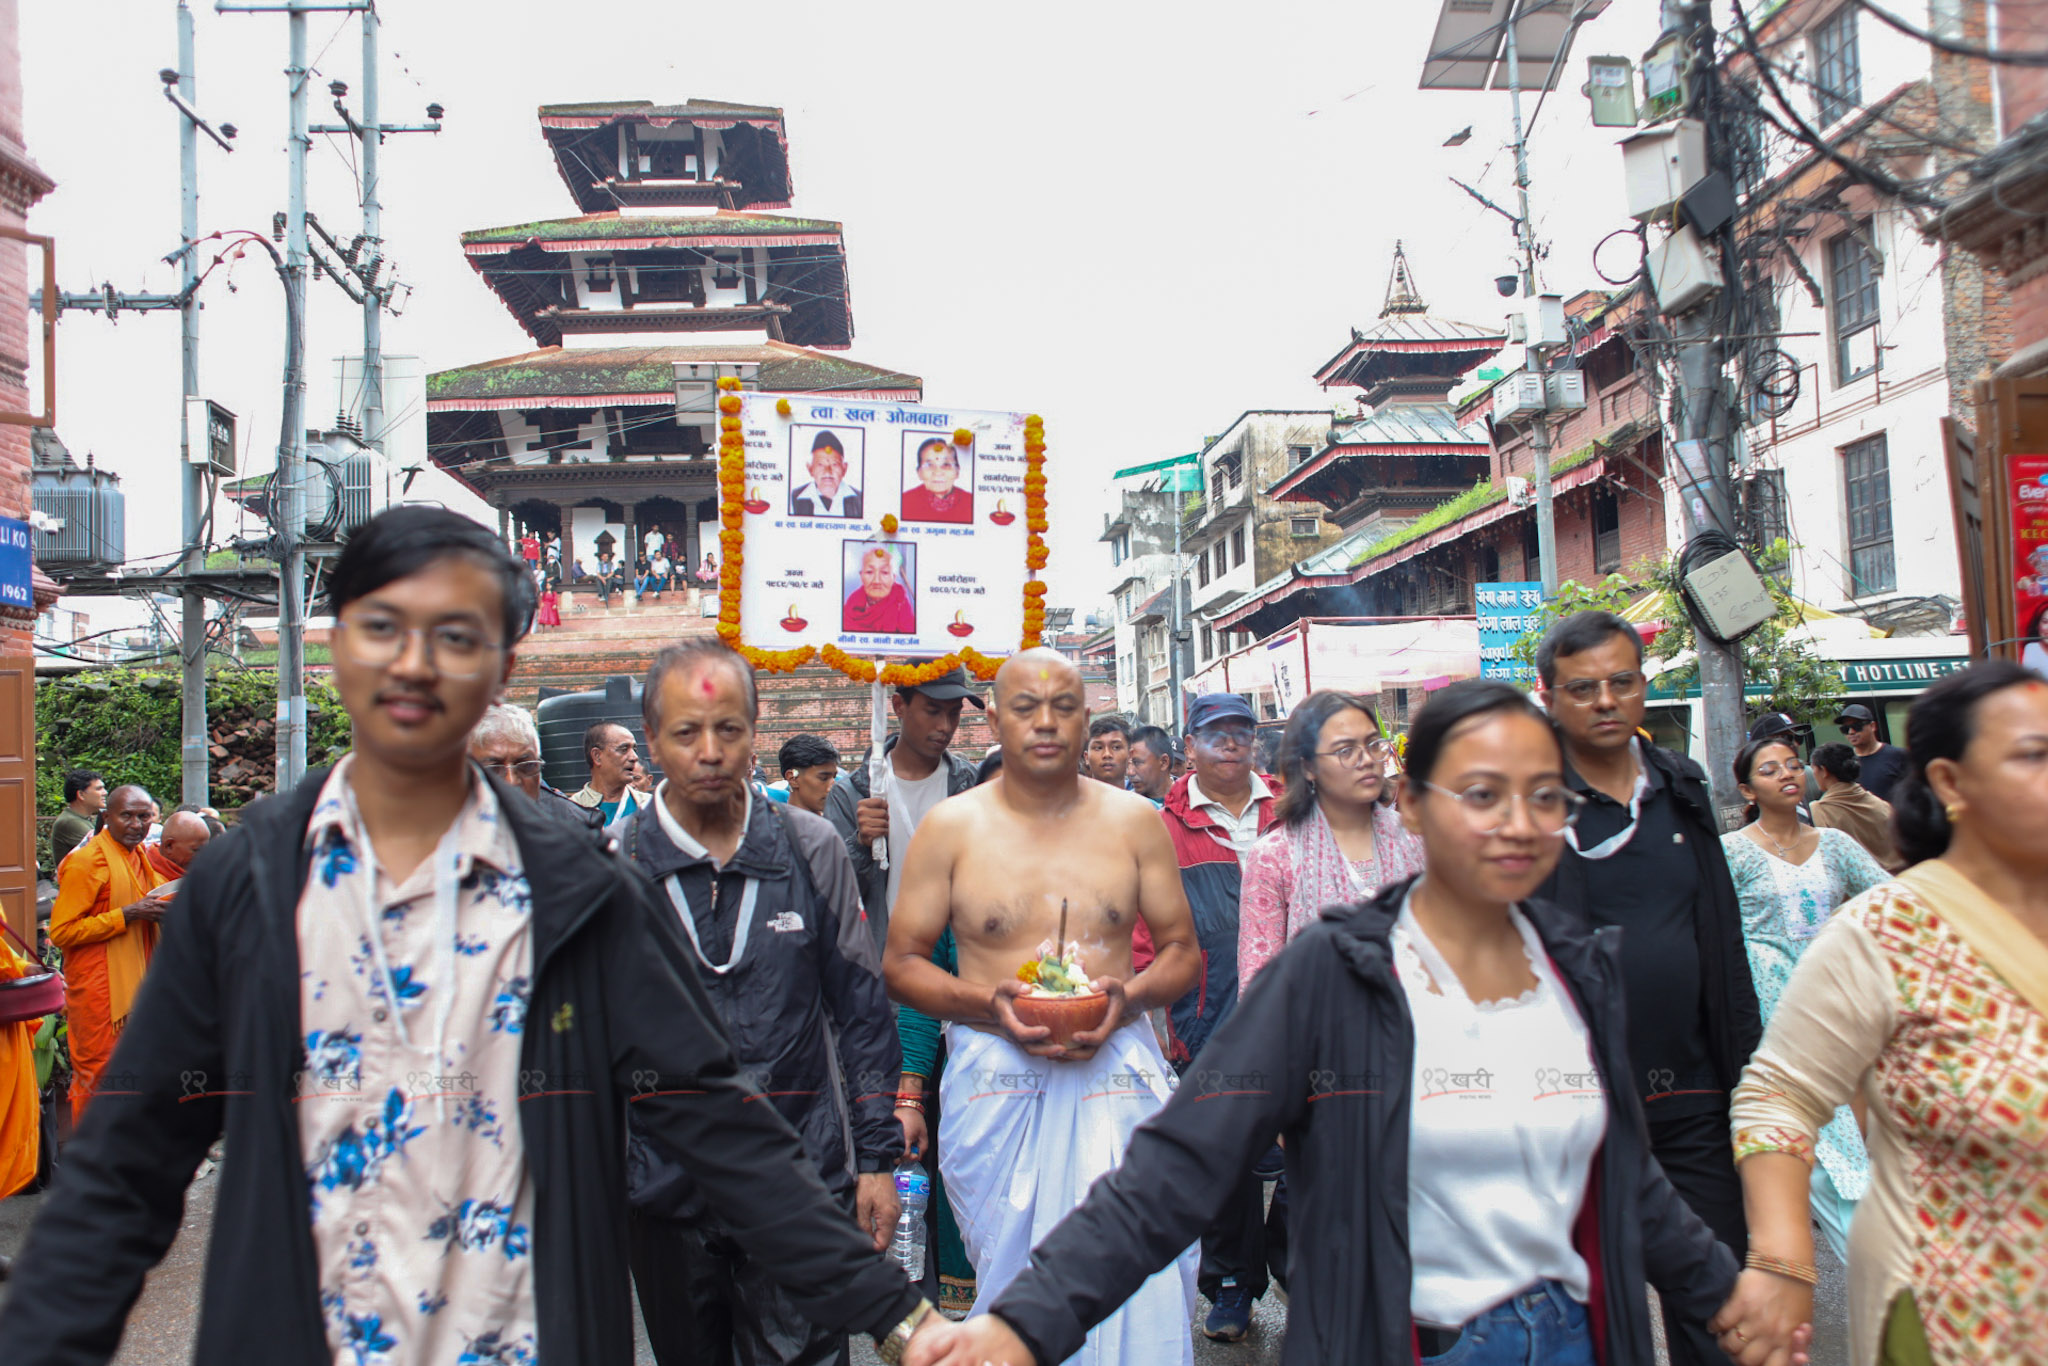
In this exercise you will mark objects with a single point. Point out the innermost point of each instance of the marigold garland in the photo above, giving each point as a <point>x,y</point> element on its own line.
<point>732,451</point>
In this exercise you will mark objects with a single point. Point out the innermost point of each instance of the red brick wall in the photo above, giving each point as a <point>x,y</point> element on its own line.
<point>2022,90</point>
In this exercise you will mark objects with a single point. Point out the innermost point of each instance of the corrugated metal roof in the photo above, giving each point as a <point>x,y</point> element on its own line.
<point>645,374</point>
<point>647,109</point>
<point>645,230</point>
<point>1406,424</point>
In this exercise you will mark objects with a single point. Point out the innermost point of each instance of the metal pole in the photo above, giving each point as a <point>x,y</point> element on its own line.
<point>373,242</point>
<point>1178,502</point>
<point>192,634</point>
<point>1539,432</point>
<point>291,454</point>
<point>1705,418</point>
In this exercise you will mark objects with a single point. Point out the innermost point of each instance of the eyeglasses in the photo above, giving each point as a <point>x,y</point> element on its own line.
<point>1584,692</point>
<point>1488,807</point>
<point>1851,727</point>
<point>1220,737</point>
<point>525,768</point>
<point>453,650</point>
<point>1790,768</point>
<point>1358,753</point>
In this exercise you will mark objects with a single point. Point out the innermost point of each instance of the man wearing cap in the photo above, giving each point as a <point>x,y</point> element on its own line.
<point>827,494</point>
<point>1215,814</point>
<point>922,772</point>
<point>1882,763</point>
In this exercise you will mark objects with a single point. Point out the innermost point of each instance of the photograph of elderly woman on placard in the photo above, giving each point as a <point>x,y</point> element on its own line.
<point>880,580</point>
<point>938,482</point>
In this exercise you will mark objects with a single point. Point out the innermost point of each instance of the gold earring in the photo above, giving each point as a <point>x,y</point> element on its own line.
<point>1952,811</point>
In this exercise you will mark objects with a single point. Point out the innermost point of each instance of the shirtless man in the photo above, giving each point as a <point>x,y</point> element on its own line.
<point>1018,1112</point>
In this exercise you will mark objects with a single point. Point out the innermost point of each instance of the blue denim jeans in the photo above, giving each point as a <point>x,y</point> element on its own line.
<point>1540,1326</point>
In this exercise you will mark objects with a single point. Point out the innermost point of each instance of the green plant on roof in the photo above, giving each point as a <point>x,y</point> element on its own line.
<point>1480,495</point>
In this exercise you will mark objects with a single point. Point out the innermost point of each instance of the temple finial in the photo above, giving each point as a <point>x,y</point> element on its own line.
<point>1402,296</point>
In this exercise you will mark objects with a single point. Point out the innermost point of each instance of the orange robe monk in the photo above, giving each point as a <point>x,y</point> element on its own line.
<point>104,954</point>
<point>21,1108</point>
<point>167,869</point>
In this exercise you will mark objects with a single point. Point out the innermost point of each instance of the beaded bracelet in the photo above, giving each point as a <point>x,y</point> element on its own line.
<point>1797,1271</point>
<point>910,1100</point>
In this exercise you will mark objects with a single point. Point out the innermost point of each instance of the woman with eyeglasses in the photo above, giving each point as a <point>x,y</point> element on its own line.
<point>1790,878</point>
<point>1339,837</point>
<point>1448,1064</point>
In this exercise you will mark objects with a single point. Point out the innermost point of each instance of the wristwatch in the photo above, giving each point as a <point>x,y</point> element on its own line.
<point>891,1348</point>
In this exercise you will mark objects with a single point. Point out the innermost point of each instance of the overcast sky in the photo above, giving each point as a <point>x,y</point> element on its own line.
<point>1137,220</point>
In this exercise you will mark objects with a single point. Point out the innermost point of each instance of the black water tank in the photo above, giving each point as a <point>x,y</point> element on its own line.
<point>564,717</point>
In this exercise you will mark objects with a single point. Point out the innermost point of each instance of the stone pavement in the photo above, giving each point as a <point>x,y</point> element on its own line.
<point>161,1328</point>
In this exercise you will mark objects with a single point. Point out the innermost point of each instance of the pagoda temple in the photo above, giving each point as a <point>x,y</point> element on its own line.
<point>680,269</point>
<point>1399,453</point>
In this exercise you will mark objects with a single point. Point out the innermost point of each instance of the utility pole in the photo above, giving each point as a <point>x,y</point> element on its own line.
<point>1525,233</point>
<point>1176,715</point>
<point>1706,429</point>
<point>192,636</point>
<point>289,508</point>
<point>364,259</point>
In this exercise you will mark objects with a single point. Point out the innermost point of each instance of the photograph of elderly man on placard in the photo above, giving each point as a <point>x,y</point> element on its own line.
<point>827,466</point>
<point>880,582</point>
<point>938,479</point>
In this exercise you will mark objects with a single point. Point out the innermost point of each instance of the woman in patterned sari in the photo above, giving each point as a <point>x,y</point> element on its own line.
<point>1926,997</point>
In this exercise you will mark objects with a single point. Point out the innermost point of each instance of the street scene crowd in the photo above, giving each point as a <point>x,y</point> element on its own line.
<point>1462,1039</point>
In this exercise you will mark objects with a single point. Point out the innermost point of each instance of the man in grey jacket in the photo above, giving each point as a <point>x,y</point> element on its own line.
<point>923,771</point>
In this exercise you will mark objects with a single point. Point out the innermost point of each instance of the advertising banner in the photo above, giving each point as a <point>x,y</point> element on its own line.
<point>884,529</point>
<point>1506,612</point>
<point>2028,476</point>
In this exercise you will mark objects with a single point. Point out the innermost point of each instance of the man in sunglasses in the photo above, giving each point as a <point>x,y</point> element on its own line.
<point>1881,763</point>
<point>1645,855</point>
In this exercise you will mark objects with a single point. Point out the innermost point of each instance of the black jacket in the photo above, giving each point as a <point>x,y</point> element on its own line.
<point>214,1046</point>
<point>1321,1050</point>
<point>1727,993</point>
<point>850,791</point>
<point>807,992</point>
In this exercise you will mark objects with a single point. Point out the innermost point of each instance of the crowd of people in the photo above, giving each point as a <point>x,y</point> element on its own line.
<point>1460,1037</point>
<point>658,566</point>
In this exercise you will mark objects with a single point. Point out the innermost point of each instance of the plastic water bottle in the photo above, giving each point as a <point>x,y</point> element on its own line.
<point>914,1189</point>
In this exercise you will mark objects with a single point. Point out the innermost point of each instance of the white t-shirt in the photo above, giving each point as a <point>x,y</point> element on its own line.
<point>909,803</point>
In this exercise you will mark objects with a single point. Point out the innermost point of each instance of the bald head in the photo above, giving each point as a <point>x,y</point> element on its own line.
<point>129,812</point>
<point>185,834</point>
<point>1042,671</point>
<point>1041,719</point>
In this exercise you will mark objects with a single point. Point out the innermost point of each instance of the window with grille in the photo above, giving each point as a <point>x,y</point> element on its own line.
<point>1208,644</point>
<point>1837,66</point>
<point>1852,288</point>
<point>1201,571</point>
<point>1237,545</point>
<point>1606,532</point>
<point>1222,558</point>
<point>1303,526</point>
<point>1298,455</point>
<point>1866,480</point>
<point>1764,518</point>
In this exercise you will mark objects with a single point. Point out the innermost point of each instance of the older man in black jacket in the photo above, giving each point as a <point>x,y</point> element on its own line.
<point>1646,856</point>
<point>488,1111</point>
<point>765,895</point>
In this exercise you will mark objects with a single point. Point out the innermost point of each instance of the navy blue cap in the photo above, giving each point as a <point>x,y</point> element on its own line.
<point>1212,707</point>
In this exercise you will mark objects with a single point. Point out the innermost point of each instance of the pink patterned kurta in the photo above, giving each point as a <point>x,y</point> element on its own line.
<point>1295,871</point>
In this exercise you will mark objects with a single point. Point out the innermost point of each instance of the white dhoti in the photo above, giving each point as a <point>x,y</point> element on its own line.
<point>1021,1139</point>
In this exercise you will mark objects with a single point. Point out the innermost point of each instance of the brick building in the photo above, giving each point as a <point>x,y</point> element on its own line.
<point>22,183</point>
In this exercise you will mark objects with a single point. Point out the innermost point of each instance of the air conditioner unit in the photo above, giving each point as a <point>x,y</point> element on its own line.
<point>1519,397</point>
<point>1565,390</point>
<point>1660,164</point>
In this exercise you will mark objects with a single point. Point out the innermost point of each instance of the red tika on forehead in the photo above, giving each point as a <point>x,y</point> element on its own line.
<point>705,685</point>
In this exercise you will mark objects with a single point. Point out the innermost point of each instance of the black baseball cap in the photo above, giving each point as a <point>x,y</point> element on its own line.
<point>1774,723</point>
<point>1212,707</point>
<point>1856,711</point>
<point>950,687</point>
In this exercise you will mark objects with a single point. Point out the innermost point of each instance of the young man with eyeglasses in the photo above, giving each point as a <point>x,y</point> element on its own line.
<point>1215,814</point>
<point>420,1017</point>
<point>1645,855</point>
<point>1882,764</point>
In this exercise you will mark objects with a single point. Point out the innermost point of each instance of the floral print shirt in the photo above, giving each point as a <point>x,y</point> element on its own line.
<point>413,999</point>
